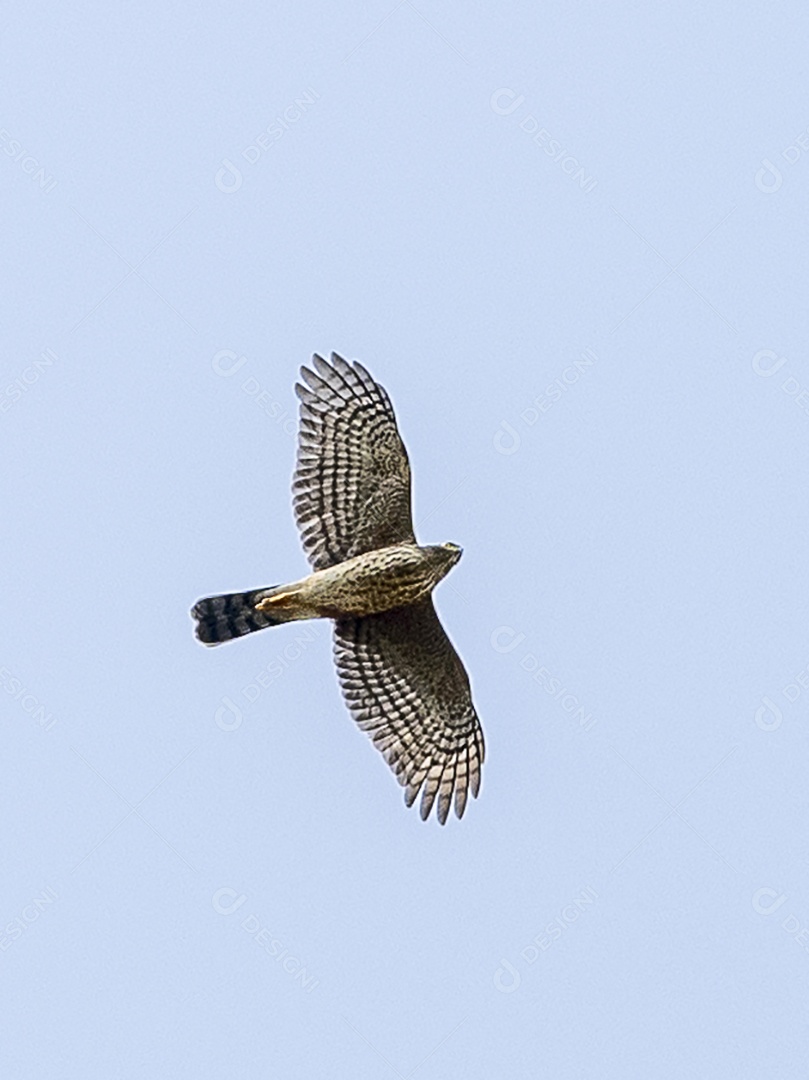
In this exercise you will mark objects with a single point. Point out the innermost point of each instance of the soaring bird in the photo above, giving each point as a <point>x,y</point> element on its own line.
<point>401,678</point>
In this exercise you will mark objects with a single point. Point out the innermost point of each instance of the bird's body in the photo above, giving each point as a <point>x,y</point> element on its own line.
<point>367,584</point>
<point>401,677</point>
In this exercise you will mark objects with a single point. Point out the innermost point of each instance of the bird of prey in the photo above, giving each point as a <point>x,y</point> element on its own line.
<point>401,677</point>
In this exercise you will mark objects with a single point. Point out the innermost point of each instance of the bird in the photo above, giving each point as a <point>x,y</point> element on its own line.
<point>401,678</point>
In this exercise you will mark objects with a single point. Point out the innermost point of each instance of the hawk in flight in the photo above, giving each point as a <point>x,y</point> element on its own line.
<point>402,679</point>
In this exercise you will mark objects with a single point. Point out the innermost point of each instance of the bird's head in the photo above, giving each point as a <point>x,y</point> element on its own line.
<point>442,558</point>
<point>453,550</point>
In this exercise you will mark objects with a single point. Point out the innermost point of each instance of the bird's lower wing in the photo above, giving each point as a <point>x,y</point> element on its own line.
<point>407,687</point>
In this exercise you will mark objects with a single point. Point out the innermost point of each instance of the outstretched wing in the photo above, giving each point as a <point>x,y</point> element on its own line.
<point>407,687</point>
<point>352,482</point>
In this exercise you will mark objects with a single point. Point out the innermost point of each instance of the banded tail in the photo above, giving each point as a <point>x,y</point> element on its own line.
<point>220,618</point>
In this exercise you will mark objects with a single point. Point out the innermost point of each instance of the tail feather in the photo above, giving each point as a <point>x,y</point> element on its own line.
<point>220,618</point>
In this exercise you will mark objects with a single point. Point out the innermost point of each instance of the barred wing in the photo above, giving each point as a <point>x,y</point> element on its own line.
<point>352,482</point>
<point>407,687</point>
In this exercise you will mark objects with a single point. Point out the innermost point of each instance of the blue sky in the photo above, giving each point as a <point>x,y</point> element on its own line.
<point>570,241</point>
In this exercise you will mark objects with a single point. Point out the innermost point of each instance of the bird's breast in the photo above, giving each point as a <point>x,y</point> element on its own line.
<point>372,582</point>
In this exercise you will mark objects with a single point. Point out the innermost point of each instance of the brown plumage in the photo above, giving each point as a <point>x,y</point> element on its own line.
<point>402,679</point>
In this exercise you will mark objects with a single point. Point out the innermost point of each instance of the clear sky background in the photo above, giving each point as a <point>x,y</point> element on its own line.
<point>571,242</point>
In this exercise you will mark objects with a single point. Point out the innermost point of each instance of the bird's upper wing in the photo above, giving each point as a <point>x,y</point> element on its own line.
<point>407,687</point>
<point>352,482</point>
